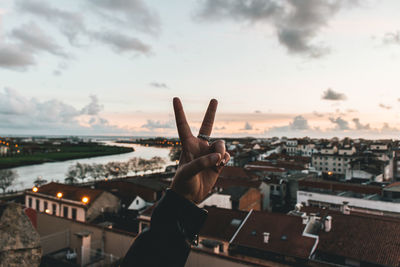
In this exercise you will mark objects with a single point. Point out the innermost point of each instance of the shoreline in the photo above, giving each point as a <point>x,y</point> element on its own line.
<point>21,161</point>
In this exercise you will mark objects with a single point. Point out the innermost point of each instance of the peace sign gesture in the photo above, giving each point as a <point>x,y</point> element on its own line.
<point>200,162</point>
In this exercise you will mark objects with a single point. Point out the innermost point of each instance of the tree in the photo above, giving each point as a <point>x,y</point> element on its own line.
<point>39,181</point>
<point>96,171</point>
<point>71,175</point>
<point>156,163</point>
<point>134,165</point>
<point>7,178</point>
<point>175,153</point>
<point>81,170</point>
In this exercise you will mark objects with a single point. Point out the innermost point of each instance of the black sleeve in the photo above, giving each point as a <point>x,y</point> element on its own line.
<point>174,226</point>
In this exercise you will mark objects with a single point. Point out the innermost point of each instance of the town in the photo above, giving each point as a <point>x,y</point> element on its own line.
<point>278,202</point>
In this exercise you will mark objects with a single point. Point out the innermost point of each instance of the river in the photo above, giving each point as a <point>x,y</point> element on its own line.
<point>55,171</point>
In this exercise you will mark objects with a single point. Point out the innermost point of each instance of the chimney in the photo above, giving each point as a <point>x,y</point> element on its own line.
<point>345,208</point>
<point>85,244</point>
<point>328,224</point>
<point>266,237</point>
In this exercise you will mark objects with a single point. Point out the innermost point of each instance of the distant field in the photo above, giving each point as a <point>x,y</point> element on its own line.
<point>66,153</point>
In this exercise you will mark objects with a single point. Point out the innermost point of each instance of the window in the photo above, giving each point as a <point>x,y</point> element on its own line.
<point>278,188</point>
<point>38,204</point>
<point>339,170</point>
<point>326,169</point>
<point>272,187</point>
<point>334,169</point>
<point>30,202</point>
<point>45,205</point>
<point>54,208</point>
<point>320,169</point>
<point>137,201</point>
<point>339,164</point>
<point>73,211</point>
<point>334,164</point>
<point>65,212</point>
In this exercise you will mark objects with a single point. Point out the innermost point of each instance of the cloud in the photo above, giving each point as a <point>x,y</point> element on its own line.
<point>151,125</point>
<point>159,85</point>
<point>296,23</point>
<point>247,126</point>
<point>121,43</point>
<point>129,13</point>
<point>299,123</point>
<point>219,128</point>
<point>257,111</point>
<point>388,128</point>
<point>133,14</point>
<point>19,114</point>
<point>360,126</point>
<point>13,56</point>
<point>340,124</point>
<point>34,39</point>
<point>329,94</point>
<point>392,38</point>
<point>71,24</point>
<point>93,108</point>
<point>385,106</point>
<point>317,114</point>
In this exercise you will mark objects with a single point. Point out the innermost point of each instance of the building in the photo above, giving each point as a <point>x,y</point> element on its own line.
<point>128,189</point>
<point>396,164</point>
<point>72,202</point>
<point>367,199</point>
<point>333,160</point>
<point>3,150</point>
<point>275,237</point>
<point>243,198</point>
<point>354,239</point>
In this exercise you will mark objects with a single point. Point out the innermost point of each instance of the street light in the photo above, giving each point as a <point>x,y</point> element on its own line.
<point>59,196</point>
<point>85,200</point>
<point>35,189</point>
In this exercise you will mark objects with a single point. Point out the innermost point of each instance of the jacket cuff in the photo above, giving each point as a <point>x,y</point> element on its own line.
<point>176,213</point>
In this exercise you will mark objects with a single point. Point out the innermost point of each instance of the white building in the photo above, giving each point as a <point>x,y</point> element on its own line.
<point>217,200</point>
<point>138,204</point>
<point>72,202</point>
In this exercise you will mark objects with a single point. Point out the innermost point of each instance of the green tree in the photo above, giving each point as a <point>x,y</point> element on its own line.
<point>7,178</point>
<point>175,153</point>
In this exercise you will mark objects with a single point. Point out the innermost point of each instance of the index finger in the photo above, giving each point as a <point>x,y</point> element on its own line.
<point>180,118</point>
<point>208,121</point>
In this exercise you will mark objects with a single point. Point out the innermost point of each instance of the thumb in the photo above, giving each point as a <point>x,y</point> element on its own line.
<point>195,166</point>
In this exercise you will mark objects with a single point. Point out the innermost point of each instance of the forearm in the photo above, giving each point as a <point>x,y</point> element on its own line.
<point>174,225</point>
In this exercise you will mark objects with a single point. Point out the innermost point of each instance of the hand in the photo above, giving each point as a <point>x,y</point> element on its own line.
<point>200,163</point>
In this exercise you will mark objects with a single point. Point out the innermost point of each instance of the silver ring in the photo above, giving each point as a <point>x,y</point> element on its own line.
<point>204,137</point>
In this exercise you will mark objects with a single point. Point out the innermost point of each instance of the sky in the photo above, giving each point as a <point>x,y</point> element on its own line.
<point>318,68</point>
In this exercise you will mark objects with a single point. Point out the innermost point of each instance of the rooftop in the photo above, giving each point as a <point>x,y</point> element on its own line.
<point>285,235</point>
<point>221,223</point>
<point>69,192</point>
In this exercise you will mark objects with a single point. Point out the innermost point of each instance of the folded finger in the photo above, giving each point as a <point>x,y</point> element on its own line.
<point>219,147</point>
<point>194,167</point>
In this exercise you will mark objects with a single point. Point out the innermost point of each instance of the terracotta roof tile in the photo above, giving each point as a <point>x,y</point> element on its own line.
<point>363,238</point>
<point>70,192</point>
<point>221,223</point>
<point>286,234</point>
